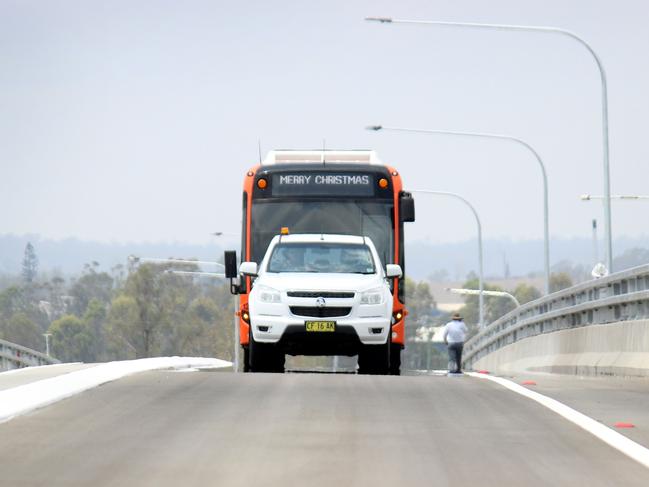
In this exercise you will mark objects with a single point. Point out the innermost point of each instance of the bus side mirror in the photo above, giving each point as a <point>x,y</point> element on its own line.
<point>230,261</point>
<point>407,204</point>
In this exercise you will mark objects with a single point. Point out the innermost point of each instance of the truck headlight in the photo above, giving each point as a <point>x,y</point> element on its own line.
<point>372,296</point>
<point>269,295</point>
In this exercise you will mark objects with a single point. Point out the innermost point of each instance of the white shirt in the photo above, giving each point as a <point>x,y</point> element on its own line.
<point>455,331</point>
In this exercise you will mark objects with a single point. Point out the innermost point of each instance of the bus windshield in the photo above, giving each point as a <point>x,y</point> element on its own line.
<point>373,219</point>
<point>322,257</point>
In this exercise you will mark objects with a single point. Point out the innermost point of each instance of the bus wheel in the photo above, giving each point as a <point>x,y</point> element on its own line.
<point>246,358</point>
<point>395,359</point>
<point>374,359</point>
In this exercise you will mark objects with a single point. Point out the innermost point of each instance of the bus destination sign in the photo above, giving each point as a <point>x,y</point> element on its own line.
<point>323,184</point>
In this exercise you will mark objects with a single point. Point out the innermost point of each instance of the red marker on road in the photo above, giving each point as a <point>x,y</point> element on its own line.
<point>528,383</point>
<point>624,425</point>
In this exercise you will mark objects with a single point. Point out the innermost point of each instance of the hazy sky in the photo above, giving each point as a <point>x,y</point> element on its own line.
<point>136,120</point>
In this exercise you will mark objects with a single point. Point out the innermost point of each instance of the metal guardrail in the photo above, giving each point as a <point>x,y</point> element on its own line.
<point>622,296</point>
<point>13,356</point>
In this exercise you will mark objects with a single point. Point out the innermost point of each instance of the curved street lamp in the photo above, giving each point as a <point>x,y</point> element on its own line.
<point>546,225</point>
<point>479,225</point>
<point>602,74</point>
<point>473,292</point>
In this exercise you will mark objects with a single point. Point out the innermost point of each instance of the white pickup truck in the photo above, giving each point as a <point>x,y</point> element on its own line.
<point>320,295</point>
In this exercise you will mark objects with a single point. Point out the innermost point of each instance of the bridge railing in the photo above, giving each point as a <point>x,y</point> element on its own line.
<point>622,296</point>
<point>13,356</point>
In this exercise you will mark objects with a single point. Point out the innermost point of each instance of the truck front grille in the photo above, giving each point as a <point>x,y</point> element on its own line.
<point>319,294</point>
<point>315,312</point>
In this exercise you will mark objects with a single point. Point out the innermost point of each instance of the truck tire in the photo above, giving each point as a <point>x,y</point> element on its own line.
<point>374,359</point>
<point>395,359</point>
<point>264,357</point>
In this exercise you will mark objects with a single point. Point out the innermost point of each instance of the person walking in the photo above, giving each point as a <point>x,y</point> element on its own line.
<point>454,335</point>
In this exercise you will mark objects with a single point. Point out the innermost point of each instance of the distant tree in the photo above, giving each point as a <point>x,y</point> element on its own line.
<point>197,334</point>
<point>91,285</point>
<point>12,301</point>
<point>419,300</point>
<point>72,339</point>
<point>22,330</point>
<point>631,258</point>
<point>29,264</point>
<point>94,318</point>
<point>122,329</point>
<point>56,297</point>
<point>525,293</point>
<point>145,287</point>
<point>494,307</point>
<point>559,281</point>
<point>575,272</point>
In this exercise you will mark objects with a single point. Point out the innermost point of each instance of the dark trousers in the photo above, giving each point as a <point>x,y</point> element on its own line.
<point>455,357</point>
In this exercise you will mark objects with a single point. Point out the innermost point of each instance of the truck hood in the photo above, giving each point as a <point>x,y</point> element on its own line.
<point>312,281</point>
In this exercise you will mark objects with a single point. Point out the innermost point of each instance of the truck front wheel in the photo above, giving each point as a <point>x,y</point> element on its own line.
<point>374,359</point>
<point>264,357</point>
<point>395,359</point>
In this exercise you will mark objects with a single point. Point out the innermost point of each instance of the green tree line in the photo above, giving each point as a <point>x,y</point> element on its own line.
<point>134,312</point>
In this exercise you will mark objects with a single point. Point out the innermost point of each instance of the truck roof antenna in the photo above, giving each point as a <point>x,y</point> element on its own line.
<point>259,148</point>
<point>324,143</point>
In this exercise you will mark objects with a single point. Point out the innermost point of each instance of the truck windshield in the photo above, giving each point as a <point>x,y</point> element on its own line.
<point>321,257</point>
<point>370,218</point>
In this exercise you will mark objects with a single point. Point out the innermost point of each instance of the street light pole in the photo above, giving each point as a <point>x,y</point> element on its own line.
<point>479,225</point>
<point>546,225</point>
<point>497,294</point>
<point>604,94</point>
<point>588,197</point>
<point>136,259</point>
<point>47,343</point>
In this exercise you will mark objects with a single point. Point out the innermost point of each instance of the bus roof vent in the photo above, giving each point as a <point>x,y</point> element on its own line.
<point>326,156</point>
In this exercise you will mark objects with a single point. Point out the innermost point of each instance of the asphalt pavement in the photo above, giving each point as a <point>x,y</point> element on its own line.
<point>622,401</point>
<point>168,428</point>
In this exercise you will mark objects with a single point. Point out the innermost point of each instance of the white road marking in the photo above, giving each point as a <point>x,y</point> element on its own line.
<point>23,399</point>
<point>618,441</point>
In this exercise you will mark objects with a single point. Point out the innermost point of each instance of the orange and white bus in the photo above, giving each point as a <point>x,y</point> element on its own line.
<point>343,192</point>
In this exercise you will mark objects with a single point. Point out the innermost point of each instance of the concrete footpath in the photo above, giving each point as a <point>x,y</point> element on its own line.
<point>27,375</point>
<point>30,389</point>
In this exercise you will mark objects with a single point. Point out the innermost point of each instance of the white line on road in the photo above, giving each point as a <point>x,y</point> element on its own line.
<point>604,433</point>
<point>23,399</point>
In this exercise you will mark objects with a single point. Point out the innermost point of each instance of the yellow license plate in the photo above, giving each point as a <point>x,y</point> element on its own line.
<point>320,325</point>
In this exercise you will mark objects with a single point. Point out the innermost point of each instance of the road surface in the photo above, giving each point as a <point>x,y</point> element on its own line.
<point>169,428</point>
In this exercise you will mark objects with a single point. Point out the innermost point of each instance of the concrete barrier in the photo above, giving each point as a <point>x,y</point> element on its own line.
<point>620,348</point>
<point>14,356</point>
<point>599,326</point>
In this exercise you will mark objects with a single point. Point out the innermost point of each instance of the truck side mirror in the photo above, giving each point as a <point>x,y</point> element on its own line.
<point>393,270</point>
<point>248,268</point>
<point>407,204</point>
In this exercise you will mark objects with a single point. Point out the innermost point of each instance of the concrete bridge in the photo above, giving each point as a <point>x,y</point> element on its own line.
<point>566,401</point>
